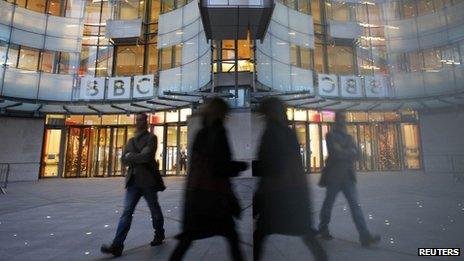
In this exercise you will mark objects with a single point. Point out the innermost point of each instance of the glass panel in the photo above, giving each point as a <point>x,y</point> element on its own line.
<point>129,60</point>
<point>315,147</point>
<point>72,152</point>
<point>102,152</point>
<point>12,60</point>
<point>125,119</point>
<point>36,5</point>
<point>365,147</point>
<point>68,63</point>
<point>48,62</point>
<point>325,130</point>
<point>172,116</point>
<point>157,118</point>
<point>299,115</point>
<point>119,142</point>
<point>159,132</point>
<point>340,59</point>
<point>55,7</point>
<point>152,58</point>
<point>387,157</point>
<point>28,59</point>
<point>74,120</point>
<point>411,147</point>
<point>92,120</point>
<point>155,11</point>
<point>300,130</point>
<point>109,119</point>
<point>171,150</point>
<point>51,156</point>
<point>183,150</point>
<point>184,113</point>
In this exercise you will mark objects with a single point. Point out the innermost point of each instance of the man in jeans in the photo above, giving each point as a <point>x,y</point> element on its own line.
<point>339,175</point>
<point>143,179</point>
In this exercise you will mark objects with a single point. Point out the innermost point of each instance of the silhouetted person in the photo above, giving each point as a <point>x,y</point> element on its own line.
<point>183,161</point>
<point>281,202</point>
<point>339,175</point>
<point>210,204</point>
<point>142,179</point>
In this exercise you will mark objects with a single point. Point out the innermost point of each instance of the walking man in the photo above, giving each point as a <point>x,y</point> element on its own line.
<point>339,175</point>
<point>143,179</point>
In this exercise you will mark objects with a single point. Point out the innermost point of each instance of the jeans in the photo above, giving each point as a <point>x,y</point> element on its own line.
<point>351,195</point>
<point>133,195</point>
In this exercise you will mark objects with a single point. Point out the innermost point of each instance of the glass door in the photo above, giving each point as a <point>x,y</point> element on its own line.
<point>411,146</point>
<point>159,133</point>
<point>301,133</point>
<point>102,152</point>
<point>118,141</point>
<point>315,147</point>
<point>78,152</point>
<point>183,150</point>
<point>386,136</point>
<point>171,150</point>
<point>365,147</point>
<point>51,158</point>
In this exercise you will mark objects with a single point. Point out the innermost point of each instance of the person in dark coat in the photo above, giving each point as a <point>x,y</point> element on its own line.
<point>281,202</point>
<point>143,179</point>
<point>339,175</point>
<point>210,204</point>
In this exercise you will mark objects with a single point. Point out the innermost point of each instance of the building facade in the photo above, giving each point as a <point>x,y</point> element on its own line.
<point>81,69</point>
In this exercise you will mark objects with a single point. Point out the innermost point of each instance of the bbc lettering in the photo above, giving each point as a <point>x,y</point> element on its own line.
<point>93,88</point>
<point>439,252</point>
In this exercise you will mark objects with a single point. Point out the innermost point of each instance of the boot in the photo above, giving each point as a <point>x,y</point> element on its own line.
<point>158,238</point>
<point>112,249</point>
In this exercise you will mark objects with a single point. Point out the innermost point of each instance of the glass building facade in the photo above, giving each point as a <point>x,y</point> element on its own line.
<point>79,64</point>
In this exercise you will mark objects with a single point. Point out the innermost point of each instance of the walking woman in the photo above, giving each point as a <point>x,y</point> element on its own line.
<point>210,204</point>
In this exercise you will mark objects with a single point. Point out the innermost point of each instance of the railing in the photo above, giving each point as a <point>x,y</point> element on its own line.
<point>4,172</point>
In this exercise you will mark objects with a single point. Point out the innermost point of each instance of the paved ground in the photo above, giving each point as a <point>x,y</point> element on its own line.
<point>68,219</point>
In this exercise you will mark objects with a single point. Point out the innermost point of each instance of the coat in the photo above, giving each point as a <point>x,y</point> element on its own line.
<point>340,163</point>
<point>281,202</point>
<point>210,203</point>
<point>139,156</point>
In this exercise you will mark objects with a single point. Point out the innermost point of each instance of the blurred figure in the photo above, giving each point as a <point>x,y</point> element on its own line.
<point>339,175</point>
<point>183,161</point>
<point>281,202</point>
<point>143,179</point>
<point>210,204</point>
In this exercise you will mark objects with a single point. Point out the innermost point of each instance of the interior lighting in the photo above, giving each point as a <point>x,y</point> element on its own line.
<point>375,38</point>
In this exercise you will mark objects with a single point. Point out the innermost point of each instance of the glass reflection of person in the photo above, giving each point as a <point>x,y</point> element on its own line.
<point>339,176</point>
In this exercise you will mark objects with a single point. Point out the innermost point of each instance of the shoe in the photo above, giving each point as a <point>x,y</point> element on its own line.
<point>324,234</point>
<point>157,239</point>
<point>112,249</point>
<point>370,240</point>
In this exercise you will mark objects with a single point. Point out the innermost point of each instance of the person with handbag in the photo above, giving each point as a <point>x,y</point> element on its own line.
<point>143,179</point>
<point>210,204</point>
<point>339,175</point>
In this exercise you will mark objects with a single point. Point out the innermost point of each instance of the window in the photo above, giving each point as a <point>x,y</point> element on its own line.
<point>152,58</point>
<point>105,60</point>
<point>318,58</point>
<point>68,63</point>
<point>129,60</point>
<point>408,8</point>
<point>48,62</point>
<point>36,5</point>
<point>432,60</point>
<point>12,59</point>
<point>166,58</point>
<point>340,59</point>
<point>28,59</point>
<point>55,7</point>
<point>155,11</point>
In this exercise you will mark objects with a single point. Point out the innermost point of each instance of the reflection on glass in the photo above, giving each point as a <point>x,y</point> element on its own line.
<point>183,150</point>
<point>28,59</point>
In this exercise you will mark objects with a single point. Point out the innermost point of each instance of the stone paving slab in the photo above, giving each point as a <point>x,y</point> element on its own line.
<point>68,219</point>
